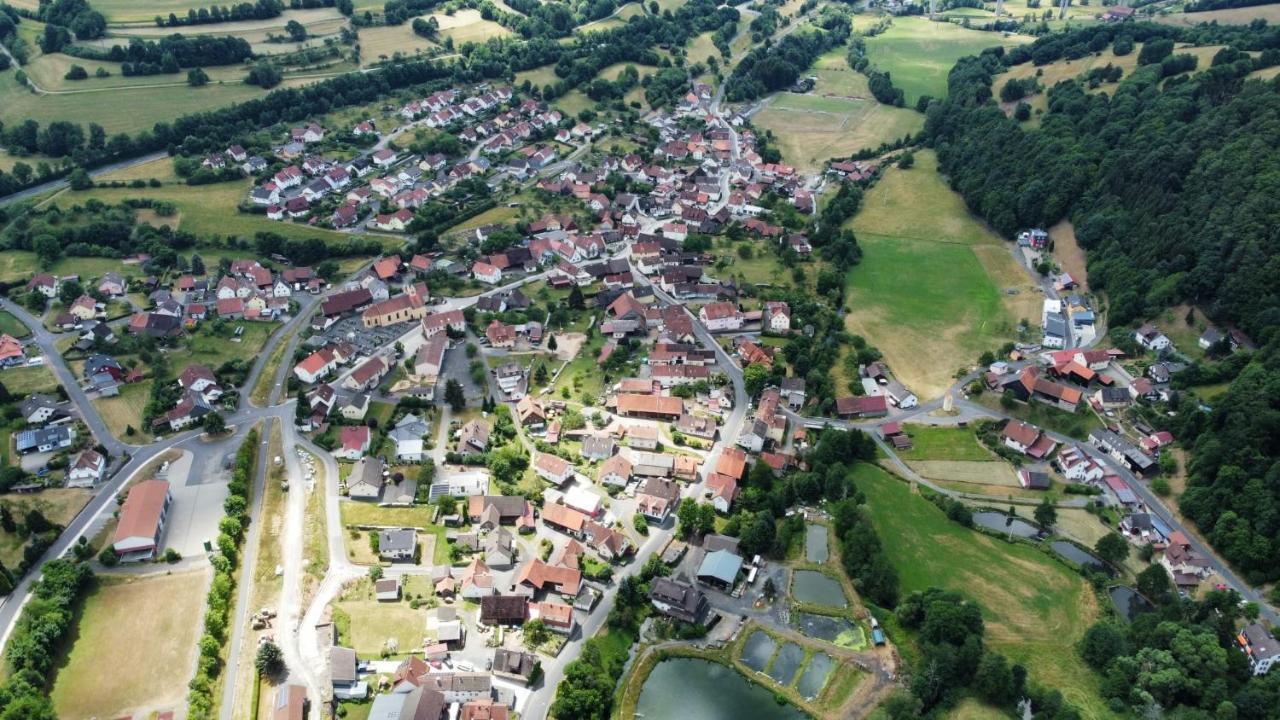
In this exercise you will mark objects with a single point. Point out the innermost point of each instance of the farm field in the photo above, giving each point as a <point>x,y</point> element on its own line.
<point>836,78</point>
<point>918,53</point>
<point>618,19</point>
<point>810,129</point>
<point>992,477</point>
<point>930,290</point>
<point>1075,11</point>
<point>149,621</point>
<point>318,21</point>
<point>1033,606</point>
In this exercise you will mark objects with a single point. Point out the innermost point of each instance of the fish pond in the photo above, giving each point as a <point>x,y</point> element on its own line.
<point>692,689</point>
<point>787,662</point>
<point>758,649</point>
<point>1003,523</point>
<point>811,586</point>
<point>815,675</point>
<point>838,631</point>
<point>815,543</point>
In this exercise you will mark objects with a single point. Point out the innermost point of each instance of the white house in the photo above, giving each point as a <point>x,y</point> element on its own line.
<point>87,469</point>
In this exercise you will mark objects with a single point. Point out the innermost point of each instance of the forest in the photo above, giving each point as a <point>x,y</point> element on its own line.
<point>769,68</point>
<point>1171,188</point>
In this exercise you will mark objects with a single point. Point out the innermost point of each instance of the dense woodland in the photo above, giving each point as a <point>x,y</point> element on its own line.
<point>1172,189</point>
<point>769,68</point>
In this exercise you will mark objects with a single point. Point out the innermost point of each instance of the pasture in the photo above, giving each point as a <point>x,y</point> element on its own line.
<point>468,26</point>
<point>918,53</point>
<point>1033,606</point>
<point>930,290</point>
<point>1230,16</point>
<point>147,620</point>
<point>809,129</point>
<point>384,41</point>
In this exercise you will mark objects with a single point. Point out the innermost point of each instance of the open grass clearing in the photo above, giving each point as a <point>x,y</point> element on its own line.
<point>384,41</point>
<point>538,77</point>
<point>971,709</point>
<point>149,621</point>
<point>467,26</point>
<point>835,77</point>
<point>975,475</point>
<point>701,48</point>
<point>930,291</point>
<point>1033,606</point>
<point>918,53</point>
<point>377,626</point>
<point>11,325</point>
<point>206,348</point>
<point>573,102</point>
<point>810,129</point>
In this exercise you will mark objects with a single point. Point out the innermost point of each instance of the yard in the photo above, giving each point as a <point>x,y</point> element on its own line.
<point>372,626</point>
<point>811,129</point>
<point>1076,425</point>
<point>930,291</point>
<point>361,514</point>
<point>146,622</point>
<point>1035,609</point>
<point>28,380</point>
<point>918,53</point>
<point>125,410</point>
<point>943,443</point>
<point>11,325</point>
<point>207,348</point>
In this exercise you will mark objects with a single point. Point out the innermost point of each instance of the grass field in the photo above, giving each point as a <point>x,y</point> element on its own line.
<point>125,409</point>
<point>211,210</point>
<point>59,505</point>
<point>918,53</point>
<point>538,76</point>
<point>835,77</point>
<point>27,380</point>
<point>468,26</point>
<point>384,41</point>
<point>11,325</point>
<point>149,621</point>
<point>1075,11</point>
<point>930,290</point>
<point>810,129</point>
<point>1035,608</point>
<point>944,443</point>
<point>1231,16</point>
<point>985,477</point>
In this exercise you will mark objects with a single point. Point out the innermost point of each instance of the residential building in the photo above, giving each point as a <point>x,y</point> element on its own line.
<point>678,598</point>
<point>366,480</point>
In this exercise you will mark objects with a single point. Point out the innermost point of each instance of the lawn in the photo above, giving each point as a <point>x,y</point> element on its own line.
<point>159,169</point>
<point>918,53</point>
<point>944,443</point>
<point>147,620</point>
<point>23,381</point>
<point>11,325</point>
<point>811,129</point>
<point>1035,608</point>
<point>355,512</point>
<point>206,348</point>
<point>261,392</point>
<point>59,505</point>
<point>929,291</point>
<point>373,624</point>
<point>125,410</point>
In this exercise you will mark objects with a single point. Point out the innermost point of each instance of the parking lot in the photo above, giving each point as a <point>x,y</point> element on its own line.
<point>367,341</point>
<point>198,490</point>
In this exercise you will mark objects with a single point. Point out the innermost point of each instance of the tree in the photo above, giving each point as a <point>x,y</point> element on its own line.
<point>214,423</point>
<point>1153,583</point>
<point>375,573</point>
<point>270,660</point>
<point>453,395</point>
<point>754,378</point>
<point>1046,514</point>
<point>688,517</point>
<point>907,160</point>
<point>640,524</point>
<point>1102,643</point>
<point>79,179</point>
<point>536,633</point>
<point>576,300</point>
<point>297,32</point>
<point>551,342</point>
<point>1112,547</point>
<point>197,77</point>
<point>993,680</point>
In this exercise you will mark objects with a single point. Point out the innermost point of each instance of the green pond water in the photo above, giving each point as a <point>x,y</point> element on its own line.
<point>692,689</point>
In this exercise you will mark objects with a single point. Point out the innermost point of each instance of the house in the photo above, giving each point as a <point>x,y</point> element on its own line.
<point>112,285</point>
<point>777,317</point>
<point>557,616</point>
<point>1078,466</point>
<point>39,409</point>
<point>44,439</point>
<point>514,665</point>
<point>1027,439</point>
<point>289,703</point>
<point>387,589</point>
<point>719,569</point>
<point>356,407</point>
<point>500,335</point>
<point>87,469</point>
<point>474,437</point>
<point>721,316</point>
<point>11,352</point>
<point>453,320</point>
<point>678,598</point>
<point>1123,451</point>
<point>1260,646</point>
<point>598,447</point>
<point>862,406</point>
<point>606,541</point>
<point>642,437</point>
<point>409,703</point>
<point>429,360</point>
<point>503,610</point>
<point>45,284</point>
<point>649,406</point>
<point>368,374</point>
<point>142,521</point>
<point>491,511</point>
<point>343,675</point>
<point>657,498</point>
<point>1184,565</point>
<point>407,435</point>
<point>544,577</point>
<point>397,544</point>
<point>723,491</point>
<point>1150,337</point>
<point>564,518</point>
<point>615,470</point>
<point>553,469</point>
<point>367,479</point>
<point>486,273</point>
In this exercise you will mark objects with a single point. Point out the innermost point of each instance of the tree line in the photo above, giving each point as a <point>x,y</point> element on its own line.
<point>1169,184</point>
<point>170,54</point>
<point>769,68</point>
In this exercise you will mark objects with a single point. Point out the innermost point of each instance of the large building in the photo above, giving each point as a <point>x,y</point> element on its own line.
<point>142,521</point>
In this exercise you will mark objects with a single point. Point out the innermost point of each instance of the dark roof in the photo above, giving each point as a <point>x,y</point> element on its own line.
<point>503,609</point>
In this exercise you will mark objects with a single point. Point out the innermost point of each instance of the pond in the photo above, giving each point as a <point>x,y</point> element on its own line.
<point>999,522</point>
<point>811,586</point>
<point>691,689</point>
<point>815,676</point>
<point>835,630</point>
<point>786,663</point>
<point>757,650</point>
<point>1128,602</point>
<point>815,543</point>
<point>1075,554</point>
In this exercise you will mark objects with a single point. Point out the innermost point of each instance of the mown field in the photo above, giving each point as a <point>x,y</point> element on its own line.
<point>1034,607</point>
<point>810,129</point>
<point>930,291</point>
<point>147,620</point>
<point>918,53</point>
<point>1230,16</point>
